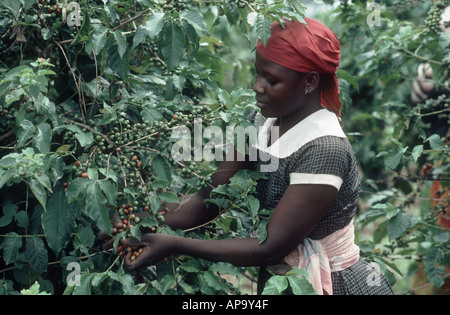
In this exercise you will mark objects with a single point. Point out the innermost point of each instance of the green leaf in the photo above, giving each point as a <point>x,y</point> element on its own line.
<point>25,132</point>
<point>342,74</point>
<point>39,192</point>
<point>37,254</point>
<point>151,114</point>
<point>109,190</point>
<point>169,197</point>
<point>96,208</point>
<point>191,266</point>
<point>162,169</point>
<point>34,290</point>
<point>12,5</point>
<point>394,158</point>
<point>262,25</point>
<point>85,139</point>
<point>417,152</point>
<point>299,7</point>
<point>398,225</point>
<point>119,64</point>
<point>84,288</point>
<point>58,221</point>
<point>225,268</point>
<point>76,189</point>
<point>21,219</point>
<point>43,138</point>
<point>148,222</point>
<point>87,236</point>
<point>98,38</point>
<point>194,18</point>
<point>121,43</point>
<point>275,285</point>
<point>9,212</point>
<point>164,284</point>
<point>154,24</point>
<point>434,272</point>
<point>253,204</point>
<point>5,220</point>
<point>298,280</point>
<point>139,36</point>
<point>6,176</point>
<point>213,281</point>
<point>135,232</point>
<point>11,247</point>
<point>126,280</point>
<point>262,230</point>
<point>435,142</point>
<point>44,106</point>
<point>173,44</point>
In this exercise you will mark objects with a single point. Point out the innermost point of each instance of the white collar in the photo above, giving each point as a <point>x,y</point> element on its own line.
<point>320,123</point>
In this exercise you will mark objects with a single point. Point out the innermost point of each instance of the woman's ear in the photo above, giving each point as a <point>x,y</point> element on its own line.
<point>312,80</point>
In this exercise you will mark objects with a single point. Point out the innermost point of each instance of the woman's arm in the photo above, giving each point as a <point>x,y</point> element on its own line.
<point>300,209</point>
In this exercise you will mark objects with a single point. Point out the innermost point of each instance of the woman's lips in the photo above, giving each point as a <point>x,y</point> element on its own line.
<point>261,104</point>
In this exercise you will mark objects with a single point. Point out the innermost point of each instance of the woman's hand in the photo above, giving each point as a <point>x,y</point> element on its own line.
<point>423,84</point>
<point>108,241</point>
<point>154,246</point>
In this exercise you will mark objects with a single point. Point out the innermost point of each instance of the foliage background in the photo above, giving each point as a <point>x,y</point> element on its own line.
<point>78,93</point>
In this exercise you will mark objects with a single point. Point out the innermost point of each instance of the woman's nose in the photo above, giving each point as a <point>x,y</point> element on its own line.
<point>258,86</point>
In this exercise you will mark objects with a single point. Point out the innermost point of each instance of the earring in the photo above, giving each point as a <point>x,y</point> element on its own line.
<point>306,92</point>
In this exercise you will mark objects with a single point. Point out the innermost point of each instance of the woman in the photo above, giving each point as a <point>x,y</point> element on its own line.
<point>315,187</point>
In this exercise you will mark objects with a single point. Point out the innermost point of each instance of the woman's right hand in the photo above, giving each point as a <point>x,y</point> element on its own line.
<point>423,84</point>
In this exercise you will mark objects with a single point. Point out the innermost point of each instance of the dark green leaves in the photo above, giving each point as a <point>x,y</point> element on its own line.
<point>162,169</point>
<point>11,246</point>
<point>118,60</point>
<point>95,206</point>
<point>36,253</point>
<point>173,44</point>
<point>435,272</point>
<point>262,25</point>
<point>58,221</point>
<point>296,279</point>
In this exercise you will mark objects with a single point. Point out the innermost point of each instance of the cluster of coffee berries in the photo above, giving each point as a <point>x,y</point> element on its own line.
<point>239,3</point>
<point>50,6</point>
<point>136,251</point>
<point>80,169</point>
<point>404,4</point>
<point>8,113</point>
<point>175,5</point>
<point>155,57</point>
<point>130,219</point>
<point>127,217</point>
<point>433,19</point>
<point>426,171</point>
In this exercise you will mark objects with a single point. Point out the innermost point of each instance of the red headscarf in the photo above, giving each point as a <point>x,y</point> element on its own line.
<point>305,48</point>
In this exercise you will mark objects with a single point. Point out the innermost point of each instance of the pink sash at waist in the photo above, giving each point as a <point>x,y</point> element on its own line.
<point>319,258</point>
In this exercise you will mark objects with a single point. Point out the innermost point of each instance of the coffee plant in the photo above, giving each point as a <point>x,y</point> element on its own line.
<point>93,97</point>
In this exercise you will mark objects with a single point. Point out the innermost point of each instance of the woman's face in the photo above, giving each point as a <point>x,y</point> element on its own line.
<point>279,91</point>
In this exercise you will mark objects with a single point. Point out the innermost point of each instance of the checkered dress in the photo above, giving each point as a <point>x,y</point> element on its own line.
<point>330,155</point>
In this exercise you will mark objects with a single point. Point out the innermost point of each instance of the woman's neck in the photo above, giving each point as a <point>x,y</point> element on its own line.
<point>287,122</point>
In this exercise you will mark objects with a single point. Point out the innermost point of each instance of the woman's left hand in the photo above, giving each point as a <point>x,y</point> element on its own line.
<point>154,248</point>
